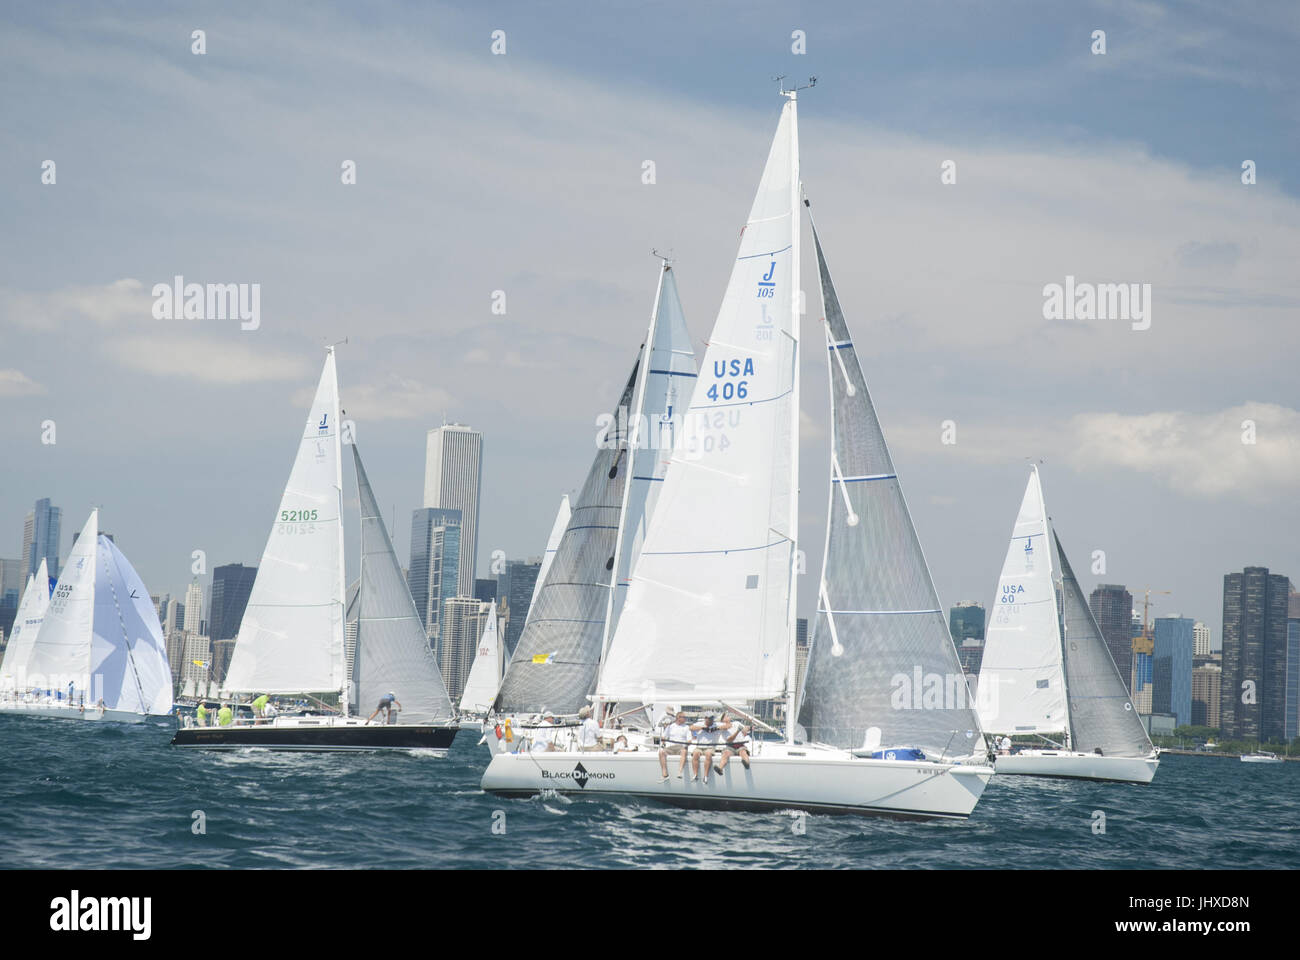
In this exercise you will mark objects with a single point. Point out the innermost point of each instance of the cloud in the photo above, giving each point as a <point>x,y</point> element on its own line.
<point>206,359</point>
<point>105,305</point>
<point>395,398</point>
<point>1199,455</point>
<point>15,383</point>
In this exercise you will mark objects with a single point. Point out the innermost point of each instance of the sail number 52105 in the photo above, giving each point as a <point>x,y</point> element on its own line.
<point>297,516</point>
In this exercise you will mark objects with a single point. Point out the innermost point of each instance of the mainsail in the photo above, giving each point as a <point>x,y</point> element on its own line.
<point>485,673</point>
<point>555,661</point>
<point>128,653</point>
<point>881,654</point>
<point>27,623</point>
<point>392,652</point>
<point>709,614</point>
<point>1102,715</point>
<point>1021,683</point>
<point>291,637</point>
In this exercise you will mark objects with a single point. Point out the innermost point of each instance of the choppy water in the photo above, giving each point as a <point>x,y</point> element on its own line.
<point>103,795</point>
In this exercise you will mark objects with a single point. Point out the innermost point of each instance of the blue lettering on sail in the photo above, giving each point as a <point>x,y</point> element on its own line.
<point>767,286</point>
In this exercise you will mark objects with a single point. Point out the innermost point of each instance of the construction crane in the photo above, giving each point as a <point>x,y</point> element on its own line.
<point>1146,606</point>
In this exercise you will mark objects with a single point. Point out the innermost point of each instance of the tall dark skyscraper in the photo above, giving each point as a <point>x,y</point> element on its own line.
<point>485,589</point>
<point>966,624</point>
<point>1253,694</point>
<point>435,561</point>
<point>41,529</point>
<point>1112,605</point>
<point>517,588</point>
<point>231,586</point>
<point>1171,671</point>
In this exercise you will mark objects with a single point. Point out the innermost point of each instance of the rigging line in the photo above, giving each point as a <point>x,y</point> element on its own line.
<point>852,518</point>
<point>849,388</point>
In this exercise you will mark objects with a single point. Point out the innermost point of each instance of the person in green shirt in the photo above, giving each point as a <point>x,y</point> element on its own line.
<point>225,716</point>
<point>201,715</point>
<point>259,705</point>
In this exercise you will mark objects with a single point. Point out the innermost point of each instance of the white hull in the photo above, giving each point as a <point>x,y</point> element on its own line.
<point>1084,766</point>
<point>1256,758</point>
<point>64,712</point>
<point>813,778</point>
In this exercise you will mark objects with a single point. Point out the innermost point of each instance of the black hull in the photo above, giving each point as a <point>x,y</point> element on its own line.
<point>373,737</point>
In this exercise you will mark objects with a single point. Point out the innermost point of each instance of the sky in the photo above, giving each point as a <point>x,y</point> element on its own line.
<point>522,172</point>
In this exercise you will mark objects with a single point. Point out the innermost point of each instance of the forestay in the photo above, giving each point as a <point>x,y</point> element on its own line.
<point>1021,682</point>
<point>291,637</point>
<point>22,638</point>
<point>708,614</point>
<point>392,651</point>
<point>1102,715</point>
<point>881,655</point>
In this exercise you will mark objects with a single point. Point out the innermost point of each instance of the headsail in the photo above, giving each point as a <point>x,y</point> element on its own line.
<point>62,649</point>
<point>709,613</point>
<point>392,651</point>
<point>27,623</point>
<point>881,655</point>
<point>1102,715</point>
<point>1022,683</point>
<point>291,637</point>
<point>485,673</point>
<point>555,661</point>
<point>128,654</point>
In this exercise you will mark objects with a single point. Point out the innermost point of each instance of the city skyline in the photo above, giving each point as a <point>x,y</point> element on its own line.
<point>1141,430</point>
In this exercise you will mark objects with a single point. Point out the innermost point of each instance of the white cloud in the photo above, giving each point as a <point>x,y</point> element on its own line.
<point>395,398</point>
<point>246,359</point>
<point>15,383</point>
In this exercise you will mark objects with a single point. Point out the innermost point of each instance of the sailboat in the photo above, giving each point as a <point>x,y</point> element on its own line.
<point>709,616</point>
<point>1047,671</point>
<point>485,674</point>
<point>22,638</point>
<point>578,601</point>
<point>97,652</point>
<point>291,640</point>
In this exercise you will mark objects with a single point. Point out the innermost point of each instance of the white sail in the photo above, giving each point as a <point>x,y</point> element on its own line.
<point>27,623</point>
<point>61,653</point>
<point>485,673</point>
<point>128,653</point>
<point>709,613</point>
<point>667,379</point>
<point>188,689</point>
<point>552,544</point>
<point>1021,682</point>
<point>291,639</point>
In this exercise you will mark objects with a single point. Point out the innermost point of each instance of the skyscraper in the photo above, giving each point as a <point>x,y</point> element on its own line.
<point>1142,677</point>
<point>1207,682</point>
<point>12,585</point>
<point>1201,640</point>
<point>41,528</point>
<point>194,608</point>
<point>435,561</point>
<point>463,622</point>
<point>966,624</point>
<point>452,468</point>
<point>1112,605</point>
<point>1253,695</point>
<point>231,586</point>
<point>1172,668</point>
<point>519,580</point>
<point>1292,722</point>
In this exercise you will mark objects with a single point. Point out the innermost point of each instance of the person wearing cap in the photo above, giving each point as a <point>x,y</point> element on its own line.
<point>588,732</point>
<point>707,734</point>
<point>677,742</point>
<point>386,703</point>
<point>544,734</point>
<point>736,741</point>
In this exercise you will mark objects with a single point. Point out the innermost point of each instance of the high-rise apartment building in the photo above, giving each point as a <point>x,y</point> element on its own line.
<point>1253,696</point>
<point>1207,679</point>
<point>12,585</point>
<point>231,586</point>
<point>41,530</point>
<point>452,475</point>
<point>966,624</point>
<point>1171,679</point>
<point>1292,721</point>
<point>1142,675</point>
<point>193,608</point>
<point>1200,640</point>
<point>432,574</point>
<point>1112,606</point>
<point>517,585</point>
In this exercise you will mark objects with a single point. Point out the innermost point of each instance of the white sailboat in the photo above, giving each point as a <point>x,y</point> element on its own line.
<point>1047,671</point>
<point>485,674</point>
<point>98,651</point>
<point>709,618</point>
<point>291,640</point>
<point>579,599</point>
<point>22,638</point>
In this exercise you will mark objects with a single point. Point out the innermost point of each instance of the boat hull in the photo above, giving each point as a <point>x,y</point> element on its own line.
<point>1080,766</point>
<point>320,735</point>
<point>815,780</point>
<point>62,711</point>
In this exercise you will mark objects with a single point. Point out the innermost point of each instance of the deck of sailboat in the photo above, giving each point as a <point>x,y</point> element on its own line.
<point>64,711</point>
<point>325,734</point>
<point>1071,765</point>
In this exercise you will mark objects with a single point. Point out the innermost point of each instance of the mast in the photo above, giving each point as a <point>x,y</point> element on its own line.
<point>792,660</point>
<point>342,597</point>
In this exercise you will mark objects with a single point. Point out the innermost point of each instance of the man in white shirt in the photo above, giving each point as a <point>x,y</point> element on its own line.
<point>544,734</point>
<point>735,741</point>
<point>707,734</point>
<point>588,731</point>
<point>676,741</point>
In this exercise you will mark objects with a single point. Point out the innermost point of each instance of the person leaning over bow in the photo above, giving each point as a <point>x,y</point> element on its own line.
<point>676,741</point>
